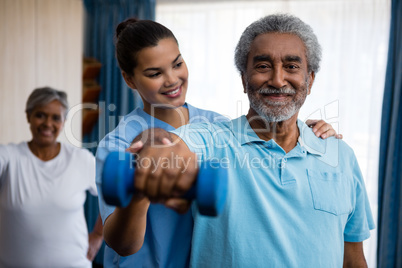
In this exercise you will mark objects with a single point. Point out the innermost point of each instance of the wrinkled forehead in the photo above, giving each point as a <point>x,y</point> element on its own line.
<point>277,47</point>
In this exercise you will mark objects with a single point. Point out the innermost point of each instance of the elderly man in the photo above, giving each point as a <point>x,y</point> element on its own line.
<point>294,200</point>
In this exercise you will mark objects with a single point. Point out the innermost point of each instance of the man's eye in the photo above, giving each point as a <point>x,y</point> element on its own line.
<point>292,66</point>
<point>262,66</point>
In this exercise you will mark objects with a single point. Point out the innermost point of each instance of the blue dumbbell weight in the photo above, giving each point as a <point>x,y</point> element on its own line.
<point>118,184</point>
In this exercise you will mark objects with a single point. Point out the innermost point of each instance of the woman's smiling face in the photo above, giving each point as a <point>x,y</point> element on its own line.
<point>161,76</point>
<point>46,122</point>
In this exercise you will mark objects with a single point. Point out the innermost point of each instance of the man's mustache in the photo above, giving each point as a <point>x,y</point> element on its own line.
<point>283,90</point>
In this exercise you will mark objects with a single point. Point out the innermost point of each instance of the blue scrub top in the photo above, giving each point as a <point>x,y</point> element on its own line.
<point>168,234</point>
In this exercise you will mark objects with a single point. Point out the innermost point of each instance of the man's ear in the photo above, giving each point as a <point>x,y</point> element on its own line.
<point>244,82</point>
<point>28,120</point>
<point>129,80</point>
<point>311,79</point>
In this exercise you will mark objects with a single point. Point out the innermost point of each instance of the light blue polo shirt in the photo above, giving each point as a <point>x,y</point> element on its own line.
<point>168,234</point>
<point>292,209</point>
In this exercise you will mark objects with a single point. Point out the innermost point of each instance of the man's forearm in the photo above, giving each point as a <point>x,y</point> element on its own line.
<point>354,255</point>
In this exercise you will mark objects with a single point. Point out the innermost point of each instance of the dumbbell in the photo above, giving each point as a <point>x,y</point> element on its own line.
<point>118,184</point>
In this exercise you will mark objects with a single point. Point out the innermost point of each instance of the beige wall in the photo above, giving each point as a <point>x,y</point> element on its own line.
<point>40,45</point>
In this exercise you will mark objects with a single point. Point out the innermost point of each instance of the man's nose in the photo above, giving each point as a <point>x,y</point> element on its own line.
<point>277,78</point>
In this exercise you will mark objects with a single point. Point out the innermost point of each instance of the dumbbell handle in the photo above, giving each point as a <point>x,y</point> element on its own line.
<point>118,184</point>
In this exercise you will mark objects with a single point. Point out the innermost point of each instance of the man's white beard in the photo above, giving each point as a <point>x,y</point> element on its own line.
<point>281,113</point>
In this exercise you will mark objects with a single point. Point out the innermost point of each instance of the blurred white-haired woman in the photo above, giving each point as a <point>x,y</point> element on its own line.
<point>43,186</point>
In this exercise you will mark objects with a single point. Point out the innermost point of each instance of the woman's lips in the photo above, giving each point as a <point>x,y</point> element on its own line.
<point>173,93</point>
<point>46,132</point>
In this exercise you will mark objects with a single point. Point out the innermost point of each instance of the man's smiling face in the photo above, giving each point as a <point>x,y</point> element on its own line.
<point>277,80</point>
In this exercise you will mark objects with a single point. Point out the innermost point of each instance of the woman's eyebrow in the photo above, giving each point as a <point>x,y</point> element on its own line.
<point>178,56</point>
<point>157,69</point>
<point>151,69</point>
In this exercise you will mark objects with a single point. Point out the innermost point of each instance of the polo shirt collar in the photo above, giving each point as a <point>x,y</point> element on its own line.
<point>307,139</point>
<point>243,131</point>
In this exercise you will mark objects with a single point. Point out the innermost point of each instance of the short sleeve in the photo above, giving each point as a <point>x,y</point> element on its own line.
<point>199,138</point>
<point>107,145</point>
<point>360,221</point>
<point>4,160</point>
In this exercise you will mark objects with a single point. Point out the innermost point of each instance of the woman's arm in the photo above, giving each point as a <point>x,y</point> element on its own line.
<point>124,229</point>
<point>95,239</point>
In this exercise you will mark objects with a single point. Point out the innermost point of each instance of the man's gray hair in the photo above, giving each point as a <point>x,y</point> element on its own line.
<point>279,23</point>
<point>43,96</point>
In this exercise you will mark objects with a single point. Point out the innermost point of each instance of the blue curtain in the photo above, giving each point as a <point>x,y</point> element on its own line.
<point>390,166</point>
<point>116,99</point>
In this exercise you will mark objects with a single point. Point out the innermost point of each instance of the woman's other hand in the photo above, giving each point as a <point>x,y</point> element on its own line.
<point>322,129</point>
